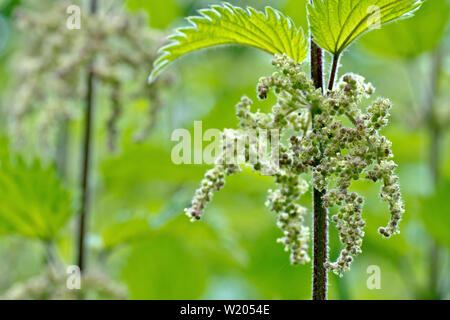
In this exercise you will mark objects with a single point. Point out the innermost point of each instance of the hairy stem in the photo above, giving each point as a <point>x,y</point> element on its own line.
<point>320,278</point>
<point>320,213</point>
<point>333,72</point>
<point>85,173</point>
<point>316,65</point>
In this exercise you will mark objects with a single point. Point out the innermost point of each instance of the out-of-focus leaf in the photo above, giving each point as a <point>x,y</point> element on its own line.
<point>414,36</point>
<point>296,10</point>
<point>271,273</point>
<point>209,242</point>
<point>335,24</point>
<point>161,13</point>
<point>124,232</point>
<point>4,35</point>
<point>224,25</point>
<point>34,202</point>
<point>163,268</point>
<point>8,6</point>
<point>145,159</point>
<point>436,214</point>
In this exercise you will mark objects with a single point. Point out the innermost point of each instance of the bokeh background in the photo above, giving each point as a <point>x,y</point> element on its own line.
<point>142,246</point>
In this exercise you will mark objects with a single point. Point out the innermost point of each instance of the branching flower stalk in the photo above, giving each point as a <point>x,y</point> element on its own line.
<point>335,154</point>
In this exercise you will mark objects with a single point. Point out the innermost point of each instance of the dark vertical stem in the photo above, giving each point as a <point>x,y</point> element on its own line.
<point>435,150</point>
<point>94,6</point>
<point>320,278</point>
<point>320,213</point>
<point>85,175</point>
<point>333,72</point>
<point>316,65</point>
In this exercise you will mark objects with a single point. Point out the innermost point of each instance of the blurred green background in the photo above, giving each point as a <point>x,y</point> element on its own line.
<point>140,238</point>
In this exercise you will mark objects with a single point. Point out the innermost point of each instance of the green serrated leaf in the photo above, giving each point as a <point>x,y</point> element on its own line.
<point>34,202</point>
<point>335,24</point>
<point>226,24</point>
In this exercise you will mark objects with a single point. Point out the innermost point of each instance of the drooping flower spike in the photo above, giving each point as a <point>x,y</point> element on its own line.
<point>346,153</point>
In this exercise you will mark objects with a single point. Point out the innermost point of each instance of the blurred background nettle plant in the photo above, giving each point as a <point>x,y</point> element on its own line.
<point>136,236</point>
<point>57,45</point>
<point>69,56</point>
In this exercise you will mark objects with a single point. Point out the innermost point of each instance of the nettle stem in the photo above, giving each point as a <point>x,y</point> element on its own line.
<point>85,173</point>
<point>320,278</point>
<point>320,273</point>
<point>320,255</point>
<point>333,72</point>
<point>316,65</point>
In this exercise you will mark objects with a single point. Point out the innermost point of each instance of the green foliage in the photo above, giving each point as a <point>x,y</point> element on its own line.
<point>335,24</point>
<point>296,10</point>
<point>148,271</point>
<point>221,25</point>
<point>140,185</point>
<point>435,214</point>
<point>124,232</point>
<point>288,282</point>
<point>161,13</point>
<point>7,6</point>
<point>34,202</point>
<point>414,36</point>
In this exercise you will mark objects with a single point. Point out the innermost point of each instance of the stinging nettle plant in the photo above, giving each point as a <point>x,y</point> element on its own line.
<point>48,82</point>
<point>322,144</point>
<point>62,71</point>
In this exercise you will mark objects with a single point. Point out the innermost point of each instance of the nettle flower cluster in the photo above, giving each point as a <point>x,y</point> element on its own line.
<point>52,64</point>
<point>331,138</point>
